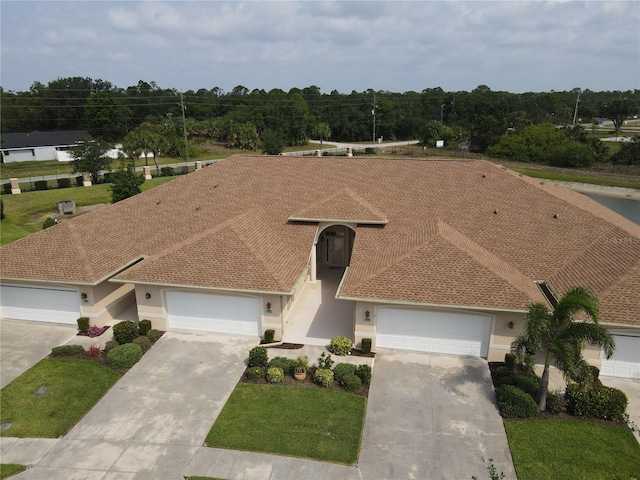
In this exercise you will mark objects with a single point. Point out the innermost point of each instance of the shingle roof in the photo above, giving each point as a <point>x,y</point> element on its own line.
<point>37,138</point>
<point>446,232</point>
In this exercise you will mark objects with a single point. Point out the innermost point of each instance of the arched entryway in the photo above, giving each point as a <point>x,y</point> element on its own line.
<point>318,315</point>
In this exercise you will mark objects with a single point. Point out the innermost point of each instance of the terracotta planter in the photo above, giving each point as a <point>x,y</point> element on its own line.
<point>299,376</point>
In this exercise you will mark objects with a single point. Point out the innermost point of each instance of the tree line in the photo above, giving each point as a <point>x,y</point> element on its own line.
<point>150,118</point>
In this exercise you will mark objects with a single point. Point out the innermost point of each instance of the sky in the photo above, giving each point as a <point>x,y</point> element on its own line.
<point>514,46</point>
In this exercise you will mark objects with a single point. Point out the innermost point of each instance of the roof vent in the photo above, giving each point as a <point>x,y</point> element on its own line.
<point>495,211</point>
<point>555,215</point>
<point>484,175</point>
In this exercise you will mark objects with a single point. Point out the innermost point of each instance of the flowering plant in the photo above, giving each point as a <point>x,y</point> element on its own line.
<point>95,331</point>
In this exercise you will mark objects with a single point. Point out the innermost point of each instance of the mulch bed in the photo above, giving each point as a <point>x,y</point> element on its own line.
<point>296,346</point>
<point>84,334</point>
<point>307,382</point>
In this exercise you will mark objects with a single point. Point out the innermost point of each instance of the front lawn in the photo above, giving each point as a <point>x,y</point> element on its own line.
<point>569,448</point>
<point>314,423</point>
<point>10,469</point>
<point>73,387</point>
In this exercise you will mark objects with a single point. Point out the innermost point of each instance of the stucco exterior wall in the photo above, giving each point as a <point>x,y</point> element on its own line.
<point>105,301</point>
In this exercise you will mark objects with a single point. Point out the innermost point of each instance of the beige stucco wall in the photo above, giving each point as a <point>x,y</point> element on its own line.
<point>105,301</point>
<point>151,308</point>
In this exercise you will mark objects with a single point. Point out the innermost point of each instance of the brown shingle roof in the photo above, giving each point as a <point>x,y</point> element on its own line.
<point>457,232</point>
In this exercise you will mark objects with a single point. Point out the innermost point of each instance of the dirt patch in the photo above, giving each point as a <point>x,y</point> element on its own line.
<point>79,211</point>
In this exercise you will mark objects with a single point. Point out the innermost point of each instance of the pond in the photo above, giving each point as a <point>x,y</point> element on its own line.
<point>626,207</point>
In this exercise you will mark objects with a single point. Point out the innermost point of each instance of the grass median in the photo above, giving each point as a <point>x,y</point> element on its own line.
<point>570,448</point>
<point>314,423</point>
<point>71,388</point>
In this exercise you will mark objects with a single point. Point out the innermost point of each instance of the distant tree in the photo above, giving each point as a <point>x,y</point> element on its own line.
<point>125,183</point>
<point>91,157</point>
<point>618,111</point>
<point>272,142</point>
<point>628,154</point>
<point>105,115</point>
<point>132,146</point>
<point>154,138</point>
<point>243,136</point>
<point>322,131</point>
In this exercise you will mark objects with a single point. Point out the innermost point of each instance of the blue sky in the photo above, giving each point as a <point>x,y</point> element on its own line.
<point>396,46</point>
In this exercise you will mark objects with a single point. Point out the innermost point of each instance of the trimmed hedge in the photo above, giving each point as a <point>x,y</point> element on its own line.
<point>144,326</point>
<point>343,369</point>
<point>83,324</point>
<point>514,403</point>
<point>144,343</point>
<point>64,183</point>
<point>510,360</point>
<point>598,401</point>
<point>556,403</point>
<point>258,357</point>
<point>67,350</point>
<point>351,383</point>
<point>527,383</point>
<point>286,364</point>
<point>154,335</point>
<point>125,332</point>
<point>124,356</point>
<point>366,345</point>
<point>340,346</point>
<point>41,185</point>
<point>275,375</point>
<point>364,373</point>
<point>323,376</point>
<point>269,335</point>
<point>255,373</point>
<point>110,345</point>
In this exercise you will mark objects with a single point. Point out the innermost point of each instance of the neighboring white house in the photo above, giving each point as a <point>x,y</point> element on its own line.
<point>40,145</point>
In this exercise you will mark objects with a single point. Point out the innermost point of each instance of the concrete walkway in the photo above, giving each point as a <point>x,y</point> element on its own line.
<point>318,315</point>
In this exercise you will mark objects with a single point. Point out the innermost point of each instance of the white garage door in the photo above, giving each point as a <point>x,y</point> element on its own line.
<point>214,313</point>
<point>625,362</point>
<point>452,333</point>
<point>40,304</point>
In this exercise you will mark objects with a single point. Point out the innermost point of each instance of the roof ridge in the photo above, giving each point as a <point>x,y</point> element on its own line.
<point>79,246</point>
<point>358,200</point>
<point>633,270</point>
<point>489,260</point>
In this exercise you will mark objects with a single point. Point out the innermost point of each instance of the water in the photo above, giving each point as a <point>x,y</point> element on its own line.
<point>626,207</point>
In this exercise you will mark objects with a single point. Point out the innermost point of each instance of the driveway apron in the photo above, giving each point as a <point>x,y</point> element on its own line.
<point>432,417</point>
<point>151,423</point>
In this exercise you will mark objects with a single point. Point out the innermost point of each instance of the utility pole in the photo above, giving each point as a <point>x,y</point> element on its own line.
<point>575,112</point>
<point>184,127</point>
<point>373,112</point>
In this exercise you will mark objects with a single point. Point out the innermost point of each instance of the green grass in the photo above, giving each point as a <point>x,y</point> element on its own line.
<point>571,177</point>
<point>26,212</point>
<point>315,423</point>
<point>10,469</point>
<point>73,388</point>
<point>568,448</point>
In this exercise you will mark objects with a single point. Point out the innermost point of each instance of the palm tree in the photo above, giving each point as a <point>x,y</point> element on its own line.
<point>561,338</point>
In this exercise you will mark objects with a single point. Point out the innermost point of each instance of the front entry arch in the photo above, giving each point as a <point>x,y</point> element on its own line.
<point>332,247</point>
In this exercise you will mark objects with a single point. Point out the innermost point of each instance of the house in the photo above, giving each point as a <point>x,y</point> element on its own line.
<point>40,145</point>
<point>438,255</point>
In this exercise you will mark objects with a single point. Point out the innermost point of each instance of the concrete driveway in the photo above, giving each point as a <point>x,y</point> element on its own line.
<point>23,344</point>
<point>432,417</point>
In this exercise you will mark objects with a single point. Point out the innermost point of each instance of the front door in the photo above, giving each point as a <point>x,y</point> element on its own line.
<point>335,250</point>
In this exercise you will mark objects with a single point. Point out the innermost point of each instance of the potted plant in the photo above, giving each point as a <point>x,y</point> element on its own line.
<point>300,367</point>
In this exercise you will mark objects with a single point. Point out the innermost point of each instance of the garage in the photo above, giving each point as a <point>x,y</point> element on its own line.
<point>625,362</point>
<point>435,332</point>
<point>40,304</point>
<point>214,313</point>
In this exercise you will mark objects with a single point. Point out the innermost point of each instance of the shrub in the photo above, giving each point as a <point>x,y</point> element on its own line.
<point>154,335</point>
<point>556,403</point>
<point>255,373</point>
<point>514,403</point>
<point>286,364</point>
<point>144,342</point>
<point>167,171</point>
<point>366,345</point>
<point>94,351</point>
<point>269,335</point>
<point>527,383</point>
<point>275,375</point>
<point>507,380</point>
<point>49,222</point>
<point>351,383</point>
<point>598,401</point>
<point>125,332</point>
<point>95,331</point>
<point>258,357</point>
<point>510,360</point>
<point>64,183</point>
<point>144,326</point>
<point>110,345</point>
<point>325,361</point>
<point>41,185</point>
<point>124,356</point>
<point>343,369</point>
<point>6,187</point>
<point>83,323</point>
<point>323,376</point>
<point>503,371</point>
<point>364,372</point>
<point>340,346</point>
<point>67,350</point>
<point>107,178</point>
<point>79,180</point>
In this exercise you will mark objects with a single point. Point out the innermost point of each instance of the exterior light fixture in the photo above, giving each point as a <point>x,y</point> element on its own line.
<point>147,296</point>
<point>511,325</point>
<point>268,307</point>
<point>366,314</point>
<point>83,296</point>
